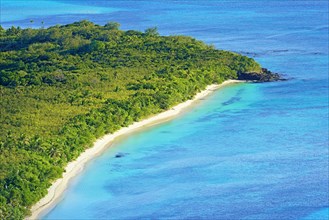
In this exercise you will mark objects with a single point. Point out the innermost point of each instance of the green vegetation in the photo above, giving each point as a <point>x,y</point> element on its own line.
<point>64,86</point>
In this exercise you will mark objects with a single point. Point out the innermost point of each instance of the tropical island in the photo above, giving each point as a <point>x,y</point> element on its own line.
<point>65,86</point>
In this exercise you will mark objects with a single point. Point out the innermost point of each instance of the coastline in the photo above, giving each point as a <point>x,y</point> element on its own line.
<point>73,168</point>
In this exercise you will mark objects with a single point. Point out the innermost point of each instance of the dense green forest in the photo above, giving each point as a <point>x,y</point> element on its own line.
<point>64,86</point>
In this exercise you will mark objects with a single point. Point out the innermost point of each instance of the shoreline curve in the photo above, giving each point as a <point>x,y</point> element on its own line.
<point>58,187</point>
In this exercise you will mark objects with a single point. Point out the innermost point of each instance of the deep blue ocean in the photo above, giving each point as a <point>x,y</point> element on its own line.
<point>248,151</point>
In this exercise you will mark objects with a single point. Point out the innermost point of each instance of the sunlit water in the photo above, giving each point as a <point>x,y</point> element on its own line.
<point>249,151</point>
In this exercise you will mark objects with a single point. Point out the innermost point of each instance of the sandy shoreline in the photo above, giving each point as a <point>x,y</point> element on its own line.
<point>73,168</point>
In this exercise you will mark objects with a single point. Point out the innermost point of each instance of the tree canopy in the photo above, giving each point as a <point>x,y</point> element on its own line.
<point>64,86</point>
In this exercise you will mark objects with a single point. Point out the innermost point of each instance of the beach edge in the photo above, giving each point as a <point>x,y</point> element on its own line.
<point>73,168</point>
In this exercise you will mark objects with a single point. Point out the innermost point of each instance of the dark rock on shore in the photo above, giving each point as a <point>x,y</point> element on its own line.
<point>265,76</point>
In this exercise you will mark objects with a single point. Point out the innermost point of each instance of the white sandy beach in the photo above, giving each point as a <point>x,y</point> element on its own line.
<point>73,168</point>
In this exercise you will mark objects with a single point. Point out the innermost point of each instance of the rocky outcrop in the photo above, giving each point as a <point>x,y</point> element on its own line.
<point>264,76</point>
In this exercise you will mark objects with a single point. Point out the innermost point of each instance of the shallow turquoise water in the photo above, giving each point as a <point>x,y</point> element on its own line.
<point>238,154</point>
<point>249,151</point>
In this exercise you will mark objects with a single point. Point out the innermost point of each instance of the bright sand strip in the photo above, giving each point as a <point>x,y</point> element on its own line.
<point>73,168</point>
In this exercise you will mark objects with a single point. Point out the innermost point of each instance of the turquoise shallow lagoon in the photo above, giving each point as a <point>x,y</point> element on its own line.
<point>238,154</point>
<point>248,151</point>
